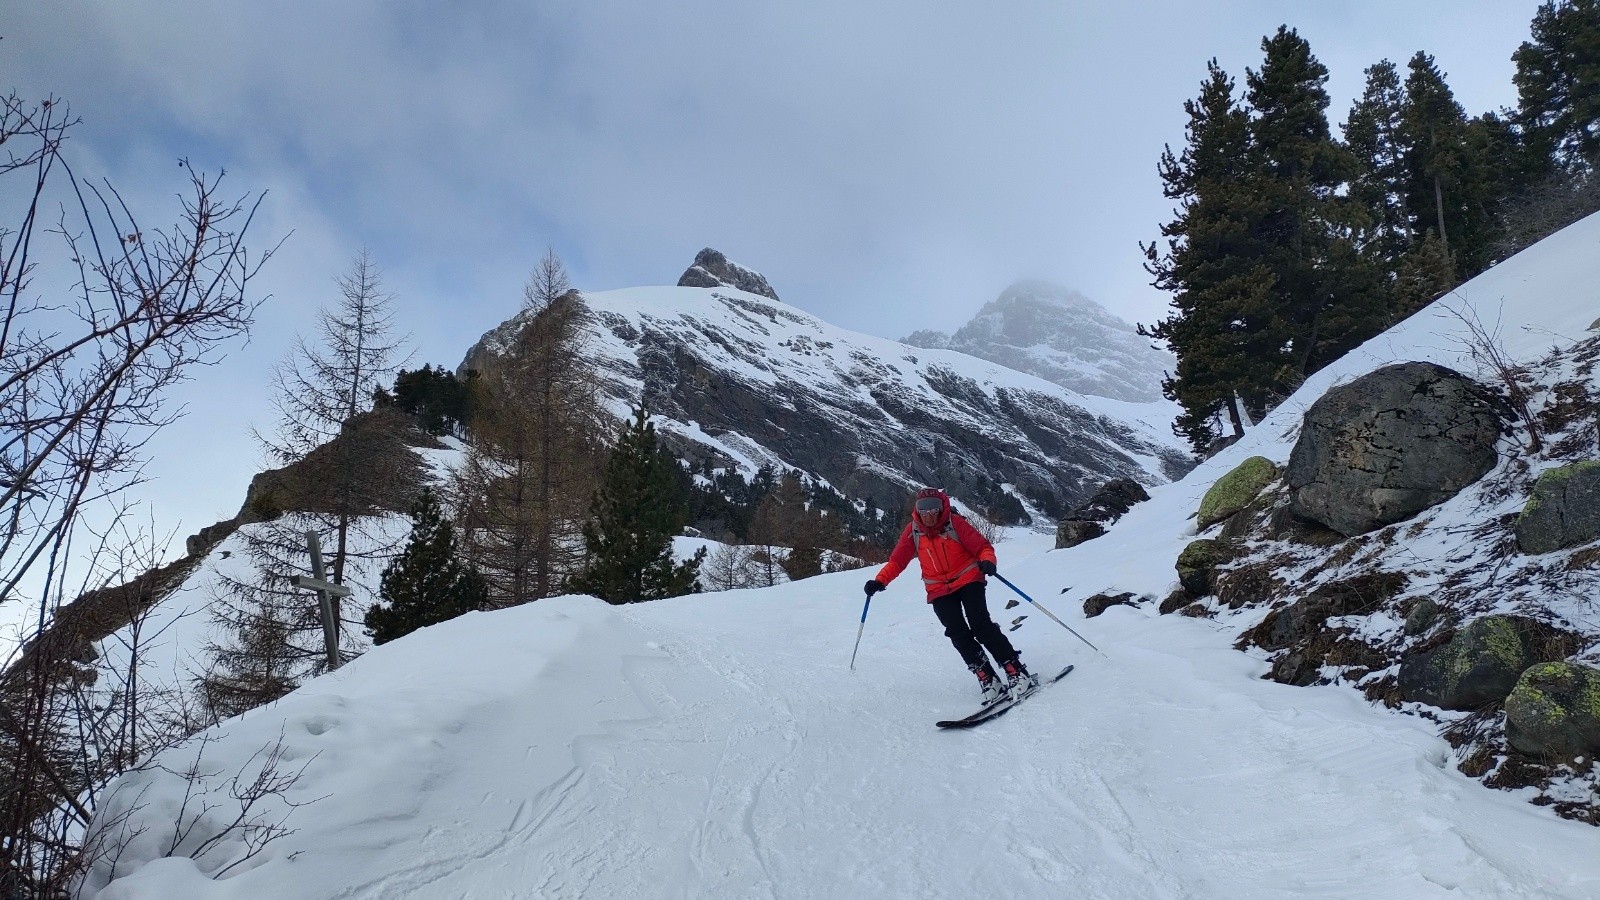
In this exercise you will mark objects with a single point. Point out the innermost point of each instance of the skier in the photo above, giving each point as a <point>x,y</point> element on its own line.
<point>955,558</point>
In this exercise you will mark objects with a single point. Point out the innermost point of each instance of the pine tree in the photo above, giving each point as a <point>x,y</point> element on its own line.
<point>633,519</point>
<point>1223,329</point>
<point>427,583</point>
<point>1372,132</point>
<point>1558,85</point>
<point>1307,231</point>
<point>1449,182</point>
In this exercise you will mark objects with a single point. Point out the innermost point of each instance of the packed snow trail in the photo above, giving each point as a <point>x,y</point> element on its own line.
<point>718,746</point>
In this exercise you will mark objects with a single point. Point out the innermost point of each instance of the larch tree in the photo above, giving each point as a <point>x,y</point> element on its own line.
<point>345,464</point>
<point>536,447</point>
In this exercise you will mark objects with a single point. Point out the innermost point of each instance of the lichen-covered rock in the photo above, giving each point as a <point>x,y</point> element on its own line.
<point>1479,665</point>
<point>1390,444</point>
<point>1099,603</point>
<point>1197,562</point>
<point>1554,711</point>
<point>1235,490</point>
<point>1563,511</point>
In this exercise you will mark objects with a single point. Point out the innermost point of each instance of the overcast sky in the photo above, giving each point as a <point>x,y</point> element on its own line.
<point>888,166</point>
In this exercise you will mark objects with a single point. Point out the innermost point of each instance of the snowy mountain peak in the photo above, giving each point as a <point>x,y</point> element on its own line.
<point>738,380</point>
<point>711,269</point>
<point>1060,335</point>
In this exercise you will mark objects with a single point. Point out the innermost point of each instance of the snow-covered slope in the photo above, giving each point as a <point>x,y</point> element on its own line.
<point>718,746</point>
<point>742,380</point>
<point>1062,336</point>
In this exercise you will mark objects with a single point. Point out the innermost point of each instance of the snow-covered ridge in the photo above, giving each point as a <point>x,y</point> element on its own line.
<point>745,380</point>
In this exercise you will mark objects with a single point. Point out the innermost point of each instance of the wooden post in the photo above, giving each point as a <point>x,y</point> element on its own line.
<point>327,592</point>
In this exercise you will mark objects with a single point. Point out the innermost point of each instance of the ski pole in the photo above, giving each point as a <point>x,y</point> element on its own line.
<point>859,630</point>
<point>1043,610</point>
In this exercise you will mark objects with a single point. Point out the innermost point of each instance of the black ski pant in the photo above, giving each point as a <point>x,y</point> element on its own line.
<point>965,616</point>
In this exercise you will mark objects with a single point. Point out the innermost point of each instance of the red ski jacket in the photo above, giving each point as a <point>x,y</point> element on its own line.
<point>949,554</point>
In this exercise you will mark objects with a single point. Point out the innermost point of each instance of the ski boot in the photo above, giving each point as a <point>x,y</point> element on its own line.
<point>993,688</point>
<point>1019,681</point>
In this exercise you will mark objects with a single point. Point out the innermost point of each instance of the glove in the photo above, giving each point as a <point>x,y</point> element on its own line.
<point>874,586</point>
<point>986,567</point>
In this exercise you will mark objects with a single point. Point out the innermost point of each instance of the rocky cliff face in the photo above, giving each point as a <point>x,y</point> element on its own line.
<point>712,269</point>
<point>741,380</point>
<point>1061,336</point>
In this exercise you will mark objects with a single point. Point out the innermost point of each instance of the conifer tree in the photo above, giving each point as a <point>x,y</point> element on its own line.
<point>1306,235</point>
<point>256,667</point>
<point>634,517</point>
<point>1558,85</point>
<point>536,450</point>
<point>1372,133</point>
<point>427,583</point>
<point>1449,181</point>
<point>1224,328</point>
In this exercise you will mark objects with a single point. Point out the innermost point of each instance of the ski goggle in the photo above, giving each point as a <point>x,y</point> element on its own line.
<point>930,505</point>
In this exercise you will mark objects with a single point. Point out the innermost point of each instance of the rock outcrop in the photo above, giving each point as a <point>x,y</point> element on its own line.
<point>1390,444</point>
<point>1109,503</point>
<point>1480,663</point>
<point>1235,490</point>
<point>712,269</point>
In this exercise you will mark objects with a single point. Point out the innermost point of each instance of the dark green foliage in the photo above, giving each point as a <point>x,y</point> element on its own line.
<point>1558,85</point>
<point>1223,328</point>
<point>1325,302</point>
<point>427,583</point>
<point>638,510</point>
<point>1451,180</point>
<point>1372,133</point>
<point>435,397</point>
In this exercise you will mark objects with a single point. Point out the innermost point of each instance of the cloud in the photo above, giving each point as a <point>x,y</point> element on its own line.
<point>888,165</point>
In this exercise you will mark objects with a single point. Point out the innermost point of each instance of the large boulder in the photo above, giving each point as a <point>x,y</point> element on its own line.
<point>1106,505</point>
<point>712,269</point>
<point>1390,444</point>
<point>1554,711</point>
<point>1563,511</point>
<point>1235,490</point>
<point>1481,662</point>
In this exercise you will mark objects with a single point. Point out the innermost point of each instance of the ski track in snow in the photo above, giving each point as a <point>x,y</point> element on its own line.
<point>729,753</point>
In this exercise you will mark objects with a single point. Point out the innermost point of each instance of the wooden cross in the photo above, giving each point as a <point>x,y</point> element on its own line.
<point>327,592</point>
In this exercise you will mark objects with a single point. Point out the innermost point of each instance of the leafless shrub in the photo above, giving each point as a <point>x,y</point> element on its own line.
<point>100,314</point>
<point>1484,345</point>
<point>220,822</point>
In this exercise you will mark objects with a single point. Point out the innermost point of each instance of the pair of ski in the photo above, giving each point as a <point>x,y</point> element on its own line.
<point>1002,706</point>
